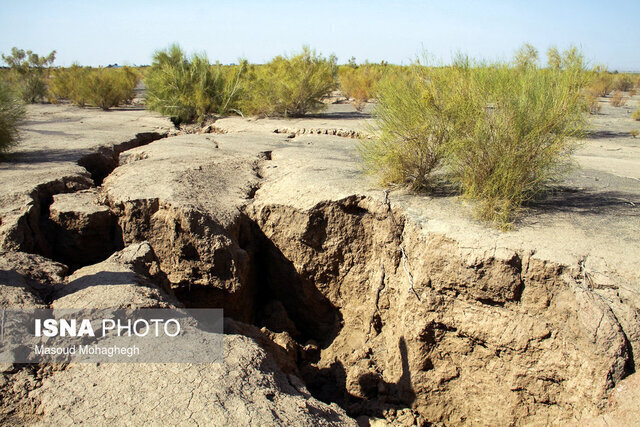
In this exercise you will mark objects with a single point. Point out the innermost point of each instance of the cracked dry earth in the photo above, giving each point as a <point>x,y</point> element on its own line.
<point>343,302</point>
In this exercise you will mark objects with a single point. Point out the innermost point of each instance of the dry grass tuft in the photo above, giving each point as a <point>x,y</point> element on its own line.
<point>617,98</point>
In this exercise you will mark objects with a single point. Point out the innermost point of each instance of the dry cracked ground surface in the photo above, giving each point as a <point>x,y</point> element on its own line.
<point>343,302</point>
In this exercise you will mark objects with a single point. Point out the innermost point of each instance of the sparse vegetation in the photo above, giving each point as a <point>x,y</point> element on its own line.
<point>634,133</point>
<point>29,73</point>
<point>592,103</point>
<point>501,132</point>
<point>617,98</point>
<point>600,86</point>
<point>12,112</point>
<point>623,82</point>
<point>600,82</point>
<point>188,89</point>
<point>290,86</point>
<point>636,114</point>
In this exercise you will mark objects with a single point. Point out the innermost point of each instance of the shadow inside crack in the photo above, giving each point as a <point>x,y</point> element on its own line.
<point>376,395</point>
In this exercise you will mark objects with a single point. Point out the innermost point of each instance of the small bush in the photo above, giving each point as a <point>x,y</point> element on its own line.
<point>636,115</point>
<point>358,83</point>
<point>601,84</point>
<point>617,99</point>
<point>634,133</point>
<point>290,86</point>
<point>29,73</point>
<point>12,112</point>
<point>632,92</point>
<point>592,104</point>
<point>189,89</point>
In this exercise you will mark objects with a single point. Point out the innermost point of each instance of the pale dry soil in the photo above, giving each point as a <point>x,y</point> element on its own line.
<point>343,301</point>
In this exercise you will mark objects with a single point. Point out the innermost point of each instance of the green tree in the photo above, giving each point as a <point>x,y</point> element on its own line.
<point>29,72</point>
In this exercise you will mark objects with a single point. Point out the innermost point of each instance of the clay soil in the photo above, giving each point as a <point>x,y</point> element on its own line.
<point>345,303</point>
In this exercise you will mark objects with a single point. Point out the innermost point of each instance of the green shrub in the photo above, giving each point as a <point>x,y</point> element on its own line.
<point>513,135</point>
<point>600,86</point>
<point>358,83</point>
<point>189,89</point>
<point>68,83</point>
<point>410,129</point>
<point>106,88</point>
<point>500,132</point>
<point>636,115</point>
<point>526,56</point>
<point>29,73</point>
<point>592,104</point>
<point>12,112</point>
<point>103,87</point>
<point>290,86</point>
<point>623,82</point>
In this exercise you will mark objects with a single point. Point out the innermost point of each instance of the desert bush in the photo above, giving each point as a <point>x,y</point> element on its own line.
<point>411,128</point>
<point>102,87</point>
<point>68,83</point>
<point>554,58</point>
<point>617,99</point>
<point>188,89</point>
<point>636,115</point>
<point>290,86</point>
<point>632,92</point>
<point>600,81</point>
<point>29,73</point>
<point>501,132</point>
<point>358,83</point>
<point>526,56</point>
<point>106,88</point>
<point>592,104</point>
<point>634,133</point>
<point>11,114</point>
<point>599,87</point>
<point>623,82</point>
<point>515,135</point>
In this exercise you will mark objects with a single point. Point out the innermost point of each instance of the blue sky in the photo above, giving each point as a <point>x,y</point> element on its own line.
<point>96,32</point>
